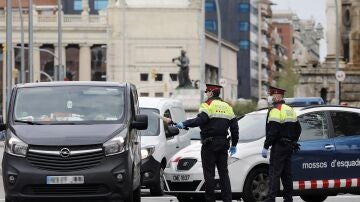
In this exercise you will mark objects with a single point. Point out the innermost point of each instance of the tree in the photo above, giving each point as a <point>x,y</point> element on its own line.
<point>287,78</point>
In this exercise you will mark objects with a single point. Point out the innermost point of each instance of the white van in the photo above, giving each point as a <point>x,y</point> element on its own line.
<point>160,141</point>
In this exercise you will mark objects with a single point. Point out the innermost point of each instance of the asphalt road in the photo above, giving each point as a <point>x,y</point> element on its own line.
<point>147,198</point>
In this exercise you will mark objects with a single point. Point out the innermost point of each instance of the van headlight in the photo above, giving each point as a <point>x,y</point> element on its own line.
<point>15,146</point>
<point>147,151</point>
<point>115,145</point>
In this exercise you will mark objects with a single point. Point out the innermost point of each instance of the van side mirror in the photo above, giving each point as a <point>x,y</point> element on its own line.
<point>172,131</point>
<point>140,122</point>
<point>2,124</point>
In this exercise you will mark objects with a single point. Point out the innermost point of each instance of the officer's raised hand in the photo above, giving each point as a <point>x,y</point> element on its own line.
<point>180,125</point>
<point>264,153</point>
<point>232,150</point>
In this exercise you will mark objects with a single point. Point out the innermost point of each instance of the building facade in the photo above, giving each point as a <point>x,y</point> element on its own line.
<point>321,81</point>
<point>240,21</point>
<point>131,40</point>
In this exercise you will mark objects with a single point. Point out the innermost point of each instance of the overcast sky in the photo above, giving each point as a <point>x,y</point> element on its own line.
<point>305,9</point>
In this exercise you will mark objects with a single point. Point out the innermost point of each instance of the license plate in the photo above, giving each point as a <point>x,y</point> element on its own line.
<point>181,178</point>
<point>65,180</point>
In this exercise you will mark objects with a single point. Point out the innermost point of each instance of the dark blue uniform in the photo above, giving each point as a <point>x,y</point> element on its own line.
<point>214,119</point>
<point>282,132</point>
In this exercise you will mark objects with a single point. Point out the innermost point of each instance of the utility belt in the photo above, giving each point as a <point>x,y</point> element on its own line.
<point>287,141</point>
<point>207,140</point>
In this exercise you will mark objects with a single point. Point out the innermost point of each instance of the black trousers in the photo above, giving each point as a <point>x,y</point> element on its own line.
<point>215,153</point>
<point>280,168</point>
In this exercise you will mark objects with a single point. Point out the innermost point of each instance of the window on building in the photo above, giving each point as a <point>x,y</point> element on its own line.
<point>100,4</point>
<point>98,63</point>
<point>279,30</point>
<point>144,77</point>
<point>244,7</point>
<point>210,25</point>
<point>244,44</point>
<point>77,5</point>
<point>159,77</point>
<point>159,94</point>
<point>244,26</point>
<point>174,77</point>
<point>144,94</point>
<point>210,6</point>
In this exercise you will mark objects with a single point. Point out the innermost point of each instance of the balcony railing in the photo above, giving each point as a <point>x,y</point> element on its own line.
<point>48,20</point>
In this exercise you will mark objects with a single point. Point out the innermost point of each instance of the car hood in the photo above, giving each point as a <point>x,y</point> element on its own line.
<point>66,134</point>
<point>244,149</point>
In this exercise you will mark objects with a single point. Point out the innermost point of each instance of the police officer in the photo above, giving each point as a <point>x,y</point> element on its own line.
<point>214,118</point>
<point>282,133</point>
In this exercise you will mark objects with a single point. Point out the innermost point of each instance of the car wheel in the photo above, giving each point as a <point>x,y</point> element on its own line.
<point>158,188</point>
<point>256,185</point>
<point>313,198</point>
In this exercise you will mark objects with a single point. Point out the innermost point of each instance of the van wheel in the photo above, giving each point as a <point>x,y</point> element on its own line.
<point>313,198</point>
<point>137,195</point>
<point>256,185</point>
<point>158,188</point>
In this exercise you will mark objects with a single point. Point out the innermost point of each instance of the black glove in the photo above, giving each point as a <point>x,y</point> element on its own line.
<point>296,147</point>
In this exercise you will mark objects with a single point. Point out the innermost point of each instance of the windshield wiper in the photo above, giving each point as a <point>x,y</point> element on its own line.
<point>68,123</point>
<point>28,122</point>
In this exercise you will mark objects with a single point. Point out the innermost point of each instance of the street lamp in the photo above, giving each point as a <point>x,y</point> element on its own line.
<point>337,85</point>
<point>218,15</point>
<point>8,54</point>
<point>58,74</point>
<point>22,74</point>
<point>43,50</point>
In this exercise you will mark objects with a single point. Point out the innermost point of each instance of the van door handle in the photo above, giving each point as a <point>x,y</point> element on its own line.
<point>136,143</point>
<point>329,146</point>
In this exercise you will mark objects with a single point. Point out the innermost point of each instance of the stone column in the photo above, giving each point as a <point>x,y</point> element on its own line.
<point>85,62</point>
<point>331,31</point>
<point>355,35</point>
<point>36,62</point>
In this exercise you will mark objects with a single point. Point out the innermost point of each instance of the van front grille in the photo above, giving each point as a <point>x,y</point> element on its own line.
<point>66,189</point>
<point>64,158</point>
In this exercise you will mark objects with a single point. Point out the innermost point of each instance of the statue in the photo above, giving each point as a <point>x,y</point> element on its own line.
<point>183,75</point>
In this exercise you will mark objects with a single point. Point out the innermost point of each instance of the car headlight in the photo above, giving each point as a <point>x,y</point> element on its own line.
<point>15,146</point>
<point>232,160</point>
<point>147,151</point>
<point>115,145</point>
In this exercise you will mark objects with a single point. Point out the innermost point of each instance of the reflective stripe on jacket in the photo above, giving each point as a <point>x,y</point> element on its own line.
<point>217,109</point>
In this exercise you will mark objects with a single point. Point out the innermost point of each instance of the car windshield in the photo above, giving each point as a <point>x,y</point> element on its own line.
<point>153,128</point>
<point>252,127</point>
<point>69,104</point>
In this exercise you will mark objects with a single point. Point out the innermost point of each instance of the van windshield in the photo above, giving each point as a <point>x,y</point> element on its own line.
<point>153,128</point>
<point>69,104</point>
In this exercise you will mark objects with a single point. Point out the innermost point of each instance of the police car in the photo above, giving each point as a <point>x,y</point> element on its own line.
<point>327,164</point>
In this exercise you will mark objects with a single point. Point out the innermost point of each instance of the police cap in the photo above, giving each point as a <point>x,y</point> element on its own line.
<point>274,90</point>
<point>212,87</point>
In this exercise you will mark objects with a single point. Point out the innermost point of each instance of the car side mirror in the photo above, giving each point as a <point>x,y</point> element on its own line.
<point>172,131</point>
<point>140,122</point>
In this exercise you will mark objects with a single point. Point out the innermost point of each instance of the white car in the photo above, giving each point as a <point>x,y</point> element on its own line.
<point>328,162</point>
